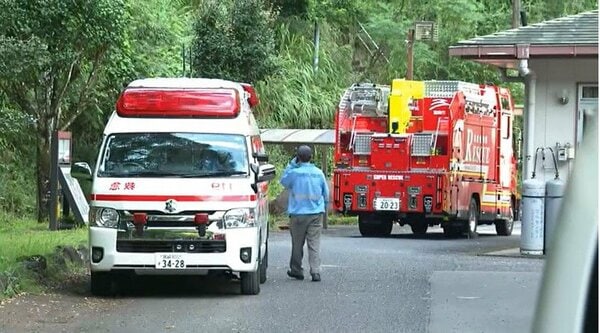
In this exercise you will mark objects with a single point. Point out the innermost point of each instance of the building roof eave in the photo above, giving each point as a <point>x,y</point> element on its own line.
<point>508,54</point>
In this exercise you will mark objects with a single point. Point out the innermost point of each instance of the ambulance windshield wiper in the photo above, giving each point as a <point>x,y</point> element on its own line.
<point>213,174</point>
<point>150,173</point>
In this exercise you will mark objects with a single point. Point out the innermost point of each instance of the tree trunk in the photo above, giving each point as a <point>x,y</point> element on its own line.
<point>43,173</point>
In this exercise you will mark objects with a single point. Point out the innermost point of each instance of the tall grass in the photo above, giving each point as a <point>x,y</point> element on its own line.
<point>23,238</point>
<point>297,96</point>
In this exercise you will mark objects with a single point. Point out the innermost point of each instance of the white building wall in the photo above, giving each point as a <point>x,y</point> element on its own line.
<point>555,122</point>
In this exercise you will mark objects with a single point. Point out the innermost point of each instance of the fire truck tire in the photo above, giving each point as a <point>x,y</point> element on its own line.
<point>419,228</point>
<point>367,230</point>
<point>102,284</point>
<point>250,284</point>
<point>473,218</point>
<point>505,227</point>
<point>451,231</point>
<point>264,263</point>
<point>385,228</point>
<point>366,225</point>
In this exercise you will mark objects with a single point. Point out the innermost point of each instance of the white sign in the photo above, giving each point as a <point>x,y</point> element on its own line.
<point>170,260</point>
<point>387,203</point>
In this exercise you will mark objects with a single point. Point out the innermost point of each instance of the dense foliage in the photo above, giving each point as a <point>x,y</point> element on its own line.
<point>64,62</point>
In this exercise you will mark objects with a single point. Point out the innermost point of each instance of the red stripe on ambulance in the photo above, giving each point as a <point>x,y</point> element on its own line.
<point>121,197</point>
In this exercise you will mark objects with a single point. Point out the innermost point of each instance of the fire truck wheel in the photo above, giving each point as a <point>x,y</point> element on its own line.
<point>385,228</point>
<point>419,228</point>
<point>473,218</point>
<point>366,225</point>
<point>505,227</point>
<point>451,231</point>
<point>250,284</point>
<point>102,284</point>
<point>367,230</point>
<point>264,263</point>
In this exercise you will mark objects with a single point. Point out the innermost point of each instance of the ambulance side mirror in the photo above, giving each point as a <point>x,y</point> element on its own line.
<point>261,157</point>
<point>265,173</point>
<point>81,170</point>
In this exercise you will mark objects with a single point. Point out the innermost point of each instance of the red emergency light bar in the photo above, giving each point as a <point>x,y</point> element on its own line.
<point>253,99</point>
<point>161,102</point>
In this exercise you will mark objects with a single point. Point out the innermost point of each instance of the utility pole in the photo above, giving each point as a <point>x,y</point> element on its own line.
<point>516,13</point>
<point>409,62</point>
<point>316,38</point>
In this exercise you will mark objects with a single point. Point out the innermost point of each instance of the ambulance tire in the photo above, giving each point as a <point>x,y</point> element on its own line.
<point>472,218</point>
<point>264,263</point>
<point>102,284</point>
<point>250,284</point>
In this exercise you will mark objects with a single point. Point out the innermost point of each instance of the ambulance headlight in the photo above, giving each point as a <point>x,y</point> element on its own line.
<point>239,218</point>
<point>104,217</point>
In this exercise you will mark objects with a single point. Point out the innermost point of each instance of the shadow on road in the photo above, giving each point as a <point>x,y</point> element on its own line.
<point>428,236</point>
<point>163,286</point>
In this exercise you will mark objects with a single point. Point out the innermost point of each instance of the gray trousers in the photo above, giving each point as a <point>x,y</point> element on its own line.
<point>306,228</point>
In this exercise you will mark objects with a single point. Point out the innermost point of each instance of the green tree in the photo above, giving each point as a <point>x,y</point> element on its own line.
<point>154,35</point>
<point>234,40</point>
<point>53,52</point>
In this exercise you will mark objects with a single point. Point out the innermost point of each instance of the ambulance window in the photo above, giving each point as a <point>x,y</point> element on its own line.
<point>173,155</point>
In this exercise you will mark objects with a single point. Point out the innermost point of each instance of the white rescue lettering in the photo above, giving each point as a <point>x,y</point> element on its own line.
<point>388,177</point>
<point>476,148</point>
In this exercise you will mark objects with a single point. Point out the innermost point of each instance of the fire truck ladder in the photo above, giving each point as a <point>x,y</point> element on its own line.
<point>352,134</point>
<point>442,124</point>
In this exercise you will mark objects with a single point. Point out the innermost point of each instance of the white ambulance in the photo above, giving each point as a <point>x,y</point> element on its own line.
<point>180,184</point>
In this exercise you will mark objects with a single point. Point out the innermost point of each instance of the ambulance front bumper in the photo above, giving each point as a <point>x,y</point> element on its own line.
<point>110,252</point>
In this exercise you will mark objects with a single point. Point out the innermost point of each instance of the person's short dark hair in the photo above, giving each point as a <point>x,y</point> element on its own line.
<point>304,153</point>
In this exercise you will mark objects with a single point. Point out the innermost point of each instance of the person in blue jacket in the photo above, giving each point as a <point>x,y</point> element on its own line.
<point>307,204</point>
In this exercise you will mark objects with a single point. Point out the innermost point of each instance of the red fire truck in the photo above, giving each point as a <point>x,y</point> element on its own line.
<point>426,153</point>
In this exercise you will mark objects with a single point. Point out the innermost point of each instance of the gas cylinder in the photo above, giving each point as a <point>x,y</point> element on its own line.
<point>532,224</point>
<point>555,190</point>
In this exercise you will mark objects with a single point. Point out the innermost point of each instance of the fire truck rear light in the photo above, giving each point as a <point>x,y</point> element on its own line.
<point>157,102</point>
<point>201,218</point>
<point>140,218</point>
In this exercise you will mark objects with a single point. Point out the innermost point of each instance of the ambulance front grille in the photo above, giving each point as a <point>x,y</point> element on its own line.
<point>149,246</point>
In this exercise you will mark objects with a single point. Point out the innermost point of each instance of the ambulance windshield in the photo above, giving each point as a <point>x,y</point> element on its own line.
<point>174,155</point>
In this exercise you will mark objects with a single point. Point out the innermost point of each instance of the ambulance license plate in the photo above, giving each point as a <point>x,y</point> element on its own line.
<point>387,203</point>
<point>170,260</point>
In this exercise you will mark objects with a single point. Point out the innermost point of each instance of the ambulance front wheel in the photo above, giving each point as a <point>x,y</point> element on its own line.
<point>264,263</point>
<point>250,284</point>
<point>102,284</point>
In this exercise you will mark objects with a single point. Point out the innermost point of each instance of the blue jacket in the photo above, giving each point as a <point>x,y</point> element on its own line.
<point>307,187</point>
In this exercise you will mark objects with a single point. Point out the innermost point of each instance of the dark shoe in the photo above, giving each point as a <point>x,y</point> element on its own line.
<point>295,276</point>
<point>316,277</point>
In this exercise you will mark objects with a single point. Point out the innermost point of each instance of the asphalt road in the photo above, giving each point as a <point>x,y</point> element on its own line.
<point>368,285</point>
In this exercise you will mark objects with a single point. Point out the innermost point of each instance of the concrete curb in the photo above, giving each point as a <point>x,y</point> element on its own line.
<point>512,253</point>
